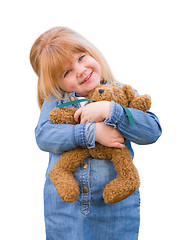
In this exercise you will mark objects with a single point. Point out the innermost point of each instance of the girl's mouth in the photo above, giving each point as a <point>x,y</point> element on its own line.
<point>87,79</point>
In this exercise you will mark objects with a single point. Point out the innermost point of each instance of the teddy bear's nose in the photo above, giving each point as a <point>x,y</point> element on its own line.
<point>101,91</point>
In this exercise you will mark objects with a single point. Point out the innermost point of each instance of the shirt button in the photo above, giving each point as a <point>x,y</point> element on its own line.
<point>85,190</point>
<point>85,165</point>
<point>72,99</point>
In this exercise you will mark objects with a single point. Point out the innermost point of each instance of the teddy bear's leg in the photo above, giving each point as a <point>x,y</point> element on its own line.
<point>62,173</point>
<point>127,180</point>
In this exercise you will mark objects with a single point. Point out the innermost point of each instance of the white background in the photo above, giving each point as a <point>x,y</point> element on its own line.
<point>141,42</point>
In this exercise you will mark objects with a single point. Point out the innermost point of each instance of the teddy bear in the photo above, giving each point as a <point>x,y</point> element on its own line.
<point>127,180</point>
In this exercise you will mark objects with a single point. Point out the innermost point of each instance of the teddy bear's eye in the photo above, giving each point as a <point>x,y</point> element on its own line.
<point>115,94</point>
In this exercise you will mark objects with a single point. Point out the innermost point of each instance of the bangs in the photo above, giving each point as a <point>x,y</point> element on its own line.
<point>59,56</point>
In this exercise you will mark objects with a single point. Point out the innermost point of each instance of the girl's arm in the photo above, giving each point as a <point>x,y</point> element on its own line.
<point>57,138</point>
<point>145,130</point>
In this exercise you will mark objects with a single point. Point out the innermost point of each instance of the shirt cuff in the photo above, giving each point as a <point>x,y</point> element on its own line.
<point>84,135</point>
<point>116,116</point>
<point>90,132</point>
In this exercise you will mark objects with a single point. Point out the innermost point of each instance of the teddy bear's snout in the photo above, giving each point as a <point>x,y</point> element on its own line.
<point>101,91</point>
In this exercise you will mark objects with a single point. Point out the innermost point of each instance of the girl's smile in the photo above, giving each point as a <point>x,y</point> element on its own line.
<point>83,75</point>
<point>87,79</point>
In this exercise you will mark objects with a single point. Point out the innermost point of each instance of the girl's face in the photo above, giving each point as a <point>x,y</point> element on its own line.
<point>83,75</point>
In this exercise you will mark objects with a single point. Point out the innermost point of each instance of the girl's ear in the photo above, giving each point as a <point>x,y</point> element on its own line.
<point>129,92</point>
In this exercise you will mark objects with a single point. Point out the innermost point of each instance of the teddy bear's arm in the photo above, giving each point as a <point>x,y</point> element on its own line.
<point>62,116</point>
<point>141,102</point>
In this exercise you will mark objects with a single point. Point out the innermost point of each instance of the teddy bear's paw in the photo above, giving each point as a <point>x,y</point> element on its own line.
<point>68,192</point>
<point>141,102</point>
<point>62,116</point>
<point>117,190</point>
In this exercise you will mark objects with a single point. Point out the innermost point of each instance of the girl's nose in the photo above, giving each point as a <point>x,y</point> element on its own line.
<point>80,72</point>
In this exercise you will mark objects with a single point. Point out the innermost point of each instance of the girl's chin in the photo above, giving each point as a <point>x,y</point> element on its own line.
<point>93,85</point>
<point>89,87</point>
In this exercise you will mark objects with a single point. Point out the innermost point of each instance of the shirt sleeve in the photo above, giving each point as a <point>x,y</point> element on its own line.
<point>146,128</point>
<point>56,138</point>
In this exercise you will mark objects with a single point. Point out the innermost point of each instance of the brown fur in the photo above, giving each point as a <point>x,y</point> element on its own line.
<point>127,180</point>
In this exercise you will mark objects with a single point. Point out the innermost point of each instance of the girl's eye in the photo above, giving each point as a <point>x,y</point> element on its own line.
<point>67,72</point>
<point>81,58</point>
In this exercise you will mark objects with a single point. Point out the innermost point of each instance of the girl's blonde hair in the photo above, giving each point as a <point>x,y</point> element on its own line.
<point>52,51</point>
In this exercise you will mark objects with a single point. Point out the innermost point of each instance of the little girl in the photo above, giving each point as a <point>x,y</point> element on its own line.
<point>68,67</point>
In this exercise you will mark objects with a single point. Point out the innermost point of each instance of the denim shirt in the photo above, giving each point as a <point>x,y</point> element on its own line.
<point>89,217</point>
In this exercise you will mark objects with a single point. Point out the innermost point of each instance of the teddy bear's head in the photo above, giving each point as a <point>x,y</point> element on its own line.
<point>122,95</point>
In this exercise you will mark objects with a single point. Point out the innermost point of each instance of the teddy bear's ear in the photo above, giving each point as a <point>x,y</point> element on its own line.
<point>129,92</point>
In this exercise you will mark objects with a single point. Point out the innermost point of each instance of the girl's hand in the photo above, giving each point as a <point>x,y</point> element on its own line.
<point>108,136</point>
<point>93,112</point>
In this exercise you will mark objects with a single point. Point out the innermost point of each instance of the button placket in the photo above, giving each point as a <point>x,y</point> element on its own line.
<point>85,187</point>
